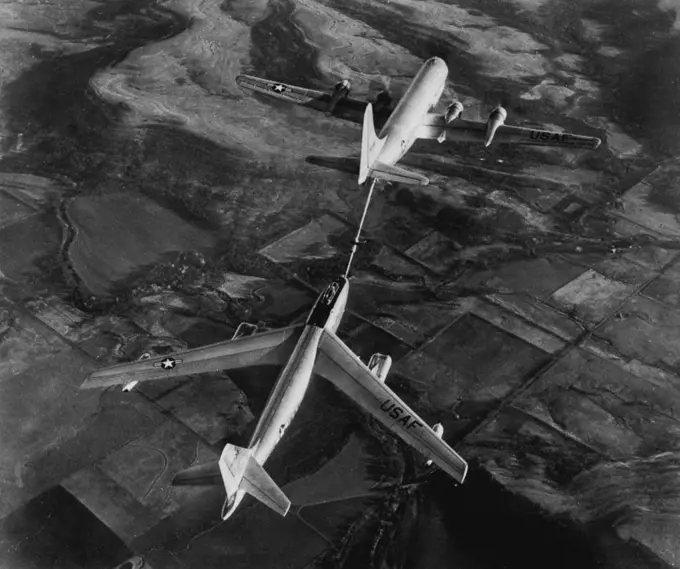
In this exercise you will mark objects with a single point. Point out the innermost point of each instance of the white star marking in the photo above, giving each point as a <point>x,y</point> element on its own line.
<point>279,88</point>
<point>167,363</point>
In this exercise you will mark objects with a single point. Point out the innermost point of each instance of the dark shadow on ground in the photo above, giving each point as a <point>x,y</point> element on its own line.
<point>56,530</point>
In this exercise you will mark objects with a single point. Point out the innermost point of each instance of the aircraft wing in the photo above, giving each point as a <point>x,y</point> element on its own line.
<point>461,130</point>
<point>337,363</point>
<point>346,108</point>
<point>268,348</point>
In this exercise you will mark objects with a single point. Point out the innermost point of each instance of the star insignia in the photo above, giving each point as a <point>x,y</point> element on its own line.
<point>167,363</point>
<point>278,88</point>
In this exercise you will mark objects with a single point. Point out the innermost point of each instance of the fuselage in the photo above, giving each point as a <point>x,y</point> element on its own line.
<point>294,379</point>
<point>401,129</point>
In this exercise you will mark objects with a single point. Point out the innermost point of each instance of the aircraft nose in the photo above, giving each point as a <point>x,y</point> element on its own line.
<point>439,64</point>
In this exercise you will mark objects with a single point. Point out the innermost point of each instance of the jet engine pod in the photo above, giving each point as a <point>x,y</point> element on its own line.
<point>496,119</point>
<point>438,429</point>
<point>380,365</point>
<point>244,329</point>
<point>453,111</point>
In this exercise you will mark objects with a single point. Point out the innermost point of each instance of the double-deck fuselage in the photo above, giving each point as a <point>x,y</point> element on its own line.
<point>401,129</point>
<point>294,379</point>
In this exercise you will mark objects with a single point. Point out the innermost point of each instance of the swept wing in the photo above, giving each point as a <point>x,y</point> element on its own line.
<point>268,348</point>
<point>461,130</point>
<point>337,363</point>
<point>346,108</point>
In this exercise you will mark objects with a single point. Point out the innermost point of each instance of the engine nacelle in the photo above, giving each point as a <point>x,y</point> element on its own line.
<point>244,329</point>
<point>380,365</point>
<point>383,100</point>
<point>340,91</point>
<point>496,119</point>
<point>343,87</point>
<point>453,111</point>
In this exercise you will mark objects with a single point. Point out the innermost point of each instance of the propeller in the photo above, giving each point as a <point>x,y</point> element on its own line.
<point>340,91</point>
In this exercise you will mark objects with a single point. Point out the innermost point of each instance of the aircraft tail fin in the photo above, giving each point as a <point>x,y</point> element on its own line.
<point>242,473</point>
<point>397,174</point>
<point>370,145</point>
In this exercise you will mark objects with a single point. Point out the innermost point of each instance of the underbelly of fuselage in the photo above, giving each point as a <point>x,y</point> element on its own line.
<point>287,395</point>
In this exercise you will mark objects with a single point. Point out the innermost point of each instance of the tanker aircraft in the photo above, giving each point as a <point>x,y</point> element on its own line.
<point>303,350</point>
<point>412,119</point>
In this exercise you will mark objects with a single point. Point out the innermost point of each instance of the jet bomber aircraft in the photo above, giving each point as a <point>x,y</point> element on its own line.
<point>412,119</point>
<point>303,350</point>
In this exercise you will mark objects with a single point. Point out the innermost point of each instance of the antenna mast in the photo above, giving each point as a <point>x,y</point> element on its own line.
<point>356,243</point>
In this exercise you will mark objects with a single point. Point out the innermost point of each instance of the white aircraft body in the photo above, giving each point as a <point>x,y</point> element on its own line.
<point>411,119</point>
<point>312,348</point>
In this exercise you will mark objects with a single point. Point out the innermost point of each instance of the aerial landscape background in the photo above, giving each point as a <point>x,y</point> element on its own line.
<point>528,296</point>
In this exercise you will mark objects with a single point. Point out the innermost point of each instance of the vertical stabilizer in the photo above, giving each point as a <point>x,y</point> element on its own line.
<point>233,463</point>
<point>371,145</point>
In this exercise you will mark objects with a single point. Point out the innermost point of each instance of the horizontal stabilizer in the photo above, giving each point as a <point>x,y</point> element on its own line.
<point>201,475</point>
<point>396,174</point>
<point>379,170</point>
<point>259,484</point>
